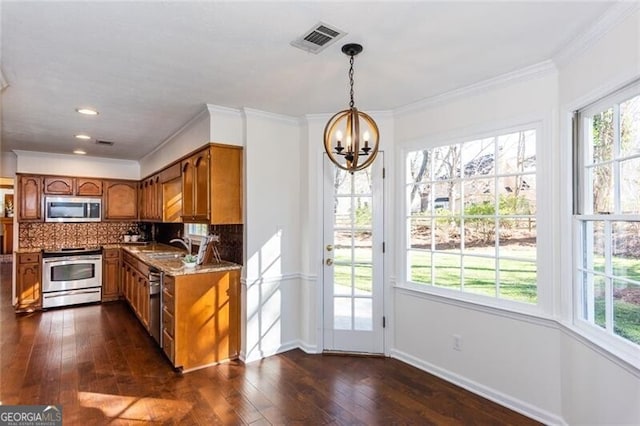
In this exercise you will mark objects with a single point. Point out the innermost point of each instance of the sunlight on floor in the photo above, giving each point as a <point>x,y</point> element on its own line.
<point>135,408</point>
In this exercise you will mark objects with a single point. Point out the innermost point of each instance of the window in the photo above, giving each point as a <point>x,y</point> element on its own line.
<point>607,216</point>
<point>471,217</point>
<point>196,230</point>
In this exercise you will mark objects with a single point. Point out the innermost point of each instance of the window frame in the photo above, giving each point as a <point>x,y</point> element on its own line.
<point>605,337</point>
<point>543,217</point>
<point>196,239</point>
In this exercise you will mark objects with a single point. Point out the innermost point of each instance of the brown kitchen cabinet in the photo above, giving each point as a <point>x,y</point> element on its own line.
<point>195,187</point>
<point>201,318</point>
<point>226,185</point>
<point>212,185</point>
<point>89,187</point>
<point>136,286</point>
<point>59,185</point>
<point>67,185</point>
<point>29,198</point>
<point>150,199</point>
<point>111,272</point>
<point>120,200</point>
<point>28,282</point>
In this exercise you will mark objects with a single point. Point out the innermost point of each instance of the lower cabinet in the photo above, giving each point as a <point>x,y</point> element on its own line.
<point>201,318</point>
<point>111,274</point>
<point>136,287</point>
<point>28,281</point>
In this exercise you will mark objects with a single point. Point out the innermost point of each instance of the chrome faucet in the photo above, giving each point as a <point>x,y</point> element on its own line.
<point>186,242</point>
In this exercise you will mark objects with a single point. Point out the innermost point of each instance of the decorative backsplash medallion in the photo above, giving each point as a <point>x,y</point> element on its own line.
<point>58,235</point>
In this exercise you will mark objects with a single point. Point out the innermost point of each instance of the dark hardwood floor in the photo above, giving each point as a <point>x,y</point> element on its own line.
<point>101,366</point>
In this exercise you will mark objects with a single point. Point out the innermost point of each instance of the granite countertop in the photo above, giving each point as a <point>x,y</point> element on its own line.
<point>169,260</point>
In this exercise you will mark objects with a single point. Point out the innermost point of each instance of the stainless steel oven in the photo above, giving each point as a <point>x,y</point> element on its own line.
<point>71,276</point>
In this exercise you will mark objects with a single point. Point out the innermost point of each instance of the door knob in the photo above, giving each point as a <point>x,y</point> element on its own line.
<point>329,262</point>
<point>329,247</point>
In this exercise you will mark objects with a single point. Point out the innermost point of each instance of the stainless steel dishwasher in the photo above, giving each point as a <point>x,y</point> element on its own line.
<point>155,307</point>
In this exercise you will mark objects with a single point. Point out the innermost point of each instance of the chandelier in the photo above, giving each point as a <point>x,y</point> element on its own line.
<point>346,131</point>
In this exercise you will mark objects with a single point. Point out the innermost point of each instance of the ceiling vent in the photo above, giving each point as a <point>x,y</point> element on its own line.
<point>105,143</point>
<point>318,38</point>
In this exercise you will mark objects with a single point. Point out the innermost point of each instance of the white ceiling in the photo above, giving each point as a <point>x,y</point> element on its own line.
<point>149,67</point>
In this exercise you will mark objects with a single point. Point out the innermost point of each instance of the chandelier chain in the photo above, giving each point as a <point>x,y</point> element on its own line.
<point>351,103</point>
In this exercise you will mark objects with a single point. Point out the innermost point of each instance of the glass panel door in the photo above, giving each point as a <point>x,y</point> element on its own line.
<point>353,259</point>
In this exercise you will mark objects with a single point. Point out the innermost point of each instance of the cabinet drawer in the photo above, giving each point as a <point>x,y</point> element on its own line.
<point>29,258</point>
<point>168,301</point>
<point>111,253</point>
<point>168,346</point>
<point>168,323</point>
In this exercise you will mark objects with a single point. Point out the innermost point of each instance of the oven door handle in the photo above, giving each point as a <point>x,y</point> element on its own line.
<point>66,260</point>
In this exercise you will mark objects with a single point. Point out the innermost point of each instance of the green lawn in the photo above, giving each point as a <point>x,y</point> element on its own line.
<point>517,278</point>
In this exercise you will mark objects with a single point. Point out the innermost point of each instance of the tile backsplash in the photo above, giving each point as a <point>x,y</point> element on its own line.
<point>57,235</point>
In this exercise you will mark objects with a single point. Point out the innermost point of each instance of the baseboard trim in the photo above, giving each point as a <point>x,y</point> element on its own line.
<point>481,390</point>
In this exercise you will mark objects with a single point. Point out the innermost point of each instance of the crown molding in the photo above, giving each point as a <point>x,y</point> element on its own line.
<point>613,16</point>
<point>532,71</point>
<point>250,112</point>
<point>211,108</point>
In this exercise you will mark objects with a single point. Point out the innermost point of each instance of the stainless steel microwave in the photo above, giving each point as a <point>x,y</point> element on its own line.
<point>72,209</point>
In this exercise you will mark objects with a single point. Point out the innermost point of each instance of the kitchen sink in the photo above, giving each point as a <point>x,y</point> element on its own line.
<point>169,255</point>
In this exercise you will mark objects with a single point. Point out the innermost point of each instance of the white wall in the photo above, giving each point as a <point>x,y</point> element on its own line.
<point>540,364</point>
<point>509,358</point>
<point>75,165</point>
<point>212,124</point>
<point>597,389</point>
<point>272,233</point>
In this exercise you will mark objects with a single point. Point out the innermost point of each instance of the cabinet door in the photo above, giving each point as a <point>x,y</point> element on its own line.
<point>157,199</point>
<point>188,175</point>
<point>143,300</point>
<point>30,200</point>
<point>142,213</point>
<point>89,187</point>
<point>201,184</point>
<point>110,274</point>
<point>57,185</point>
<point>121,200</point>
<point>226,185</point>
<point>28,282</point>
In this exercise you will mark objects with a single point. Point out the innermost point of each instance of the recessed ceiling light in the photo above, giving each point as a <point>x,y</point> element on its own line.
<point>87,111</point>
<point>83,137</point>
<point>79,152</point>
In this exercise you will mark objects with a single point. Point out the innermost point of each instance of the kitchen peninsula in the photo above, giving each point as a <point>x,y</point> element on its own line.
<point>199,309</point>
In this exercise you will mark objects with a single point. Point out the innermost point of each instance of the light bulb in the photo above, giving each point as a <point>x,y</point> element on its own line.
<point>339,136</point>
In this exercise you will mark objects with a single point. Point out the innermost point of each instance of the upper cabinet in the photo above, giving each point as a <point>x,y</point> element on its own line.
<point>226,184</point>
<point>120,200</point>
<point>87,186</point>
<point>212,185</point>
<point>59,185</point>
<point>150,199</point>
<point>30,198</point>
<point>64,185</point>
<point>195,187</point>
